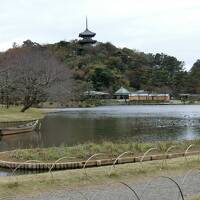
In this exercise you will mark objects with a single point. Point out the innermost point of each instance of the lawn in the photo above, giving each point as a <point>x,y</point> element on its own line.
<point>14,114</point>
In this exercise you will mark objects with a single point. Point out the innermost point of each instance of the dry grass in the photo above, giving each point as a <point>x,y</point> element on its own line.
<point>32,184</point>
<point>109,149</point>
<point>14,114</point>
<point>196,198</point>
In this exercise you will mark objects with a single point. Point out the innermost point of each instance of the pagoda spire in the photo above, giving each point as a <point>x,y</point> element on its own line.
<point>86,23</point>
<point>87,35</point>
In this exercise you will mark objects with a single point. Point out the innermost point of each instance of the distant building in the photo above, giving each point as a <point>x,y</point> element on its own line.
<point>87,36</point>
<point>122,93</point>
<point>141,95</point>
<point>97,95</point>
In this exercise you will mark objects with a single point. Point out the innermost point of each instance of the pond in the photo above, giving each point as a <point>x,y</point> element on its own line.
<point>116,123</point>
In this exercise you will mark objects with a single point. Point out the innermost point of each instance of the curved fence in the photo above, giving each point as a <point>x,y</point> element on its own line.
<point>166,187</point>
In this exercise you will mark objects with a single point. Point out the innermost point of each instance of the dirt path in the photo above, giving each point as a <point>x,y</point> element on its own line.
<point>154,189</point>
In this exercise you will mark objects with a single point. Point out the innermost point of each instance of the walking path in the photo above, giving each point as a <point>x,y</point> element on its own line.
<point>154,189</point>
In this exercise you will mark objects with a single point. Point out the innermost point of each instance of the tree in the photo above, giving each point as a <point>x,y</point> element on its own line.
<point>194,80</point>
<point>36,72</point>
<point>6,82</point>
<point>103,67</point>
<point>102,78</point>
<point>5,88</point>
<point>167,72</point>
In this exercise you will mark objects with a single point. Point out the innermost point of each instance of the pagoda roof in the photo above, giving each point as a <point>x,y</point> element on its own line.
<point>87,33</point>
<point>87,41</point>
<point>122,91</point>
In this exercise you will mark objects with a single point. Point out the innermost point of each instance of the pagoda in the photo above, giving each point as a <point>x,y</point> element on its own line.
<point>87,36</point>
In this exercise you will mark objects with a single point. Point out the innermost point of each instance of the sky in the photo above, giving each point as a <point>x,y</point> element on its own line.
<point>151,26</point>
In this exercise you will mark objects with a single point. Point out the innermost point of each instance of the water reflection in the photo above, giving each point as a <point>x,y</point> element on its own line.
<point>134,123</point>
<point>24,140</point>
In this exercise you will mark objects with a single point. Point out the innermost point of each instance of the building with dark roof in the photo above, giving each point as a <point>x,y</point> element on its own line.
<point>87,36</point>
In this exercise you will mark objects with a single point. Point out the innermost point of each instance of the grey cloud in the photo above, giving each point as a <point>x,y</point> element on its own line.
<point>147,25</point>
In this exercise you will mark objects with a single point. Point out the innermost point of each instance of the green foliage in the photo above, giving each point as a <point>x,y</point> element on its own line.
<point>102,78</point>
<point>104,67</point>
<point>107,67</point>
<point>194,78</point>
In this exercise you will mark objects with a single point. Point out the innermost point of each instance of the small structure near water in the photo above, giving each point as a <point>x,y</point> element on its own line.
<point>140,95</point>
<point>28,127</point>
<point>97,94</point>
<point>146,96</point>
<point>122,93</point>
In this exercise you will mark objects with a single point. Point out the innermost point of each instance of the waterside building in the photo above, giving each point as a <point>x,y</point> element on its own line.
<point>140,95</point>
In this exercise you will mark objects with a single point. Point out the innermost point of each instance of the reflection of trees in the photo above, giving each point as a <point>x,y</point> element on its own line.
<point>26,140</point>
<point>74,128</point>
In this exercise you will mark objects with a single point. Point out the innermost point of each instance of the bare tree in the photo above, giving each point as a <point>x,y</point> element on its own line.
<point>6,83</point>
<point>33,73</point>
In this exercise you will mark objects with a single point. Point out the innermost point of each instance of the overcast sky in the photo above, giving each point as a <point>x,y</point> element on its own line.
<point>168,26</point>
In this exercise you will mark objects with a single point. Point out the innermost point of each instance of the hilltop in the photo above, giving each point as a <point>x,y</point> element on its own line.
<point>105,67</point>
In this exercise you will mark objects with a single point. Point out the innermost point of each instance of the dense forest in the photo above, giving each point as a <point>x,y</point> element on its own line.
<point>106,67</point>
<point>31,73</point>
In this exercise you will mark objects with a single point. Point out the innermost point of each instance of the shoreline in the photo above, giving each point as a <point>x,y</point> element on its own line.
<point>106,151</point>
<point>55,166</point>
<point>52,109</point>
<point>10,116</point>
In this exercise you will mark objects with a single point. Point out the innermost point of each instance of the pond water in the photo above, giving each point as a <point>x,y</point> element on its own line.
<point>133,123</point>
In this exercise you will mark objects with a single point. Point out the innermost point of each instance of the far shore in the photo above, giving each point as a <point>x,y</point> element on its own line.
<point>13,114</point>
<point>91,103</point>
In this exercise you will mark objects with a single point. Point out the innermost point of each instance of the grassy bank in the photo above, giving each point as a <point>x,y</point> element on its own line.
<point>84,151</point>
<point>14,114</point>
<point>33,184</point>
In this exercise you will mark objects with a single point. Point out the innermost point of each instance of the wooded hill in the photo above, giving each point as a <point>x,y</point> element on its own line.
<point>106,67</point>
<point>32,73</point>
